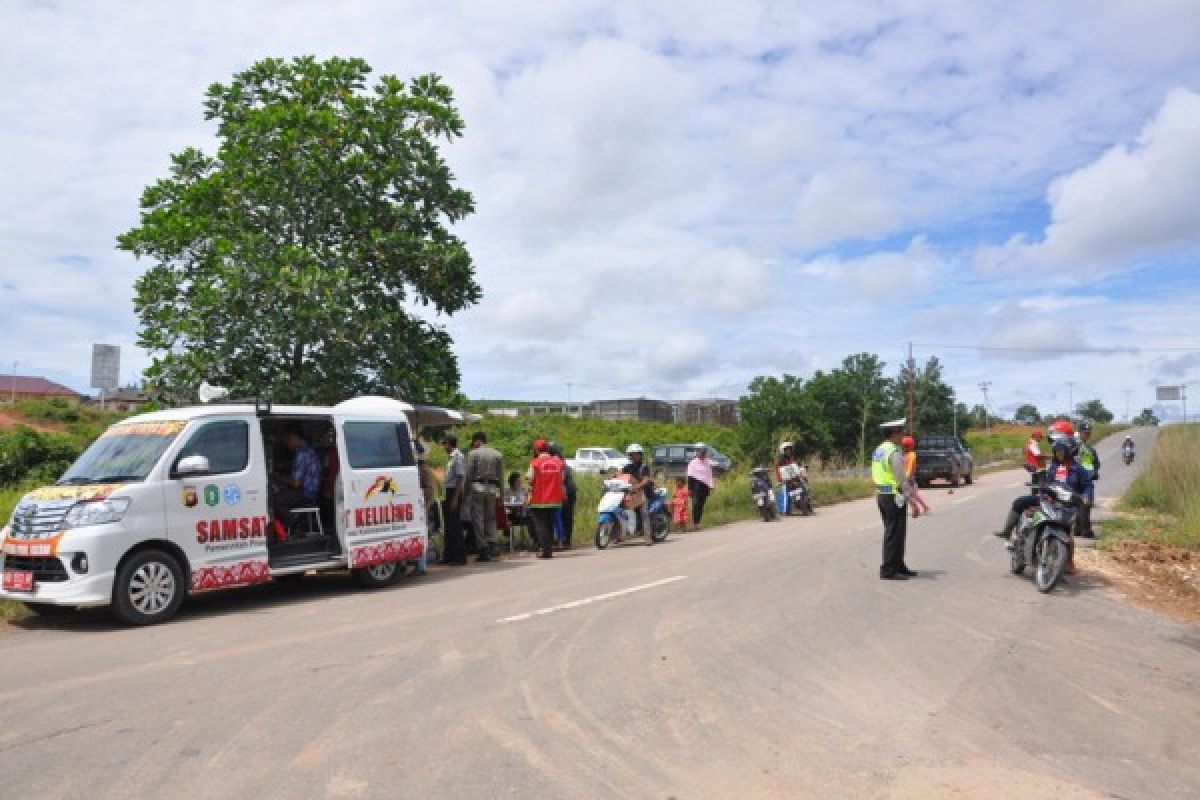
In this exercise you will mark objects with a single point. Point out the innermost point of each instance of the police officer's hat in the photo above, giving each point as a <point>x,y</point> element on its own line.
<point>894,425</point>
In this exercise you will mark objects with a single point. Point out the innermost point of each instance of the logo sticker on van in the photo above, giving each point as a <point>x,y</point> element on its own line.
<point>212,495</point>
<point>190,499</point>
<point>233,494</point>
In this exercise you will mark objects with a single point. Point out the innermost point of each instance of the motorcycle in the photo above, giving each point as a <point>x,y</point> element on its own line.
<point>1043,537</point>
<point>796,486</point>
<point>1127,453</point>
<point>764,497</point>
<point>618,522</point>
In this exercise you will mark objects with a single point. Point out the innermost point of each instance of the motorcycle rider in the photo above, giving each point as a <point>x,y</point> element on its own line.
<point>1089,459</point>
<point>1062,469</point>
<point>1035,459</point>
<point>640,478</point>
<point>1127,448</point>
<point>786,458</point>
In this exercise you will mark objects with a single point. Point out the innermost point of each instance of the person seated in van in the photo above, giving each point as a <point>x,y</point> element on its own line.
<point>302,487</point>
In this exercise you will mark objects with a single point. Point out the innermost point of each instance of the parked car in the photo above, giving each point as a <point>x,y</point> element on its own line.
<point>944,457</point>
<point>672,459</point>
<point>597,460</point>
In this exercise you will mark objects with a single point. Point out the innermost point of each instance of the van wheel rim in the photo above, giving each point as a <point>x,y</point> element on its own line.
<point>381,572</point>
<point>152,587</point>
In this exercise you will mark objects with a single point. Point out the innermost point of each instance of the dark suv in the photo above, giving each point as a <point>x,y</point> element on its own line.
<point>672,459</point>
<point>943,457</point>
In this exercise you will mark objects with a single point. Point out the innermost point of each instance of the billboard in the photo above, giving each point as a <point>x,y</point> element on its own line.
<point>1168,393</point>
<point>106,366</point>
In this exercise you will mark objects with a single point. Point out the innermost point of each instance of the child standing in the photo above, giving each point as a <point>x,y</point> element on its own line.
<point>919,505</point>
<point>679,505</point>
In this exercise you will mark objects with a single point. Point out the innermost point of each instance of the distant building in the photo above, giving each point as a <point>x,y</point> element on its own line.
<point>25,387</point>
<point>707,411</point>
<point>638,408</point>
<point>127,399</point>
<point>547,409</point>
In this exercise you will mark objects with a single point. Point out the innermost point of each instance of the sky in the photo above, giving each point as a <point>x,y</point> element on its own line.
<point>675,197</point>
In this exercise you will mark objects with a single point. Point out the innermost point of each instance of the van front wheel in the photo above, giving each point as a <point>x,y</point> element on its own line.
<point>376,576</point>
<point>149,588</point>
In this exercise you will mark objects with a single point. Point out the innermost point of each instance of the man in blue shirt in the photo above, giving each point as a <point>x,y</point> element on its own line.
<point>302,487</point>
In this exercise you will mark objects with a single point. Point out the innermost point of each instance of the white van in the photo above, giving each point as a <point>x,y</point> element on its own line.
<point>181,501</point>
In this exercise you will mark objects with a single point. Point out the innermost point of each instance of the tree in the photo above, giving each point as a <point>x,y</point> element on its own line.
<point>288,264</point>
<point>1027,414</point>
<point>854,401</point>
<point>779,407</point>
<point>933,398</point>
<point>1094,411</point>
<point>1147,417</point>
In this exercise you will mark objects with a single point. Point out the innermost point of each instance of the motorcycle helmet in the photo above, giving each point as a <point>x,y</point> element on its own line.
<point>1037,435</point>
<point>539,445</point>
<point>784,447</point>
<point>634,448</point>
<point>1064,427</point>
<point>1067,443</point>
<point>908,443</point>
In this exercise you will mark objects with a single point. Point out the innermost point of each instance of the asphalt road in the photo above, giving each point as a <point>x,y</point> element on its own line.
<point>757,660</point>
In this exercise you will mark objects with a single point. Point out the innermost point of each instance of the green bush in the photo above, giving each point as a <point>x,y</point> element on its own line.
<point>29,456</point>
<point>1167,486</point>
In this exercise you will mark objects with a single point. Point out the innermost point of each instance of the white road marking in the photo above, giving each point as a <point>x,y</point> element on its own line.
<point>965,499</point>
<point>586,600</point>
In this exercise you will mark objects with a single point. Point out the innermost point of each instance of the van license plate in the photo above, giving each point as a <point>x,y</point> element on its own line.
<point>18,580</point>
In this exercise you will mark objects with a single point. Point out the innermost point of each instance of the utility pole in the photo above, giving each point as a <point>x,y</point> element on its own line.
<point>954,411</point>
<point>912,391</point>
<point>1127,393</point>
<point>983,387</point>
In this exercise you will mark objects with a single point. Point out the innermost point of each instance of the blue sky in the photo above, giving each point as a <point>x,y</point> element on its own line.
<point>675,197</point>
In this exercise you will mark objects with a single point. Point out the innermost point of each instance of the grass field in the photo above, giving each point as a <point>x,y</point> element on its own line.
<point>1163,503</point>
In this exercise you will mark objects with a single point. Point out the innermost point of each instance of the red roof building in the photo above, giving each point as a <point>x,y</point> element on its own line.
<point>25,387</point>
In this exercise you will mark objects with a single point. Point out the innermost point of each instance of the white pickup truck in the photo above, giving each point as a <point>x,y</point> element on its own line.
<point>597,460</point>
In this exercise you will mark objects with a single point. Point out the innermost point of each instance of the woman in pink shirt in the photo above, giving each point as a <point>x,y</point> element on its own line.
<point>700,482</point>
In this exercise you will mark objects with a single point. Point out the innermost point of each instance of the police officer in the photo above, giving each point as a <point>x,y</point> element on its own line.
<point>483,471</point>
<point>1089,459</point>
<point>892,495</point>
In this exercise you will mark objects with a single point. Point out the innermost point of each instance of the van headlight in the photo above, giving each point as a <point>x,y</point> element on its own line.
<point>96,512</point>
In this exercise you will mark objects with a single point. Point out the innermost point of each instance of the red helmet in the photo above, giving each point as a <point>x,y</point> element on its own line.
<point>908,442</point>
<point>1064,427</point>
<point>1037,434</point>
<point>539,445</point>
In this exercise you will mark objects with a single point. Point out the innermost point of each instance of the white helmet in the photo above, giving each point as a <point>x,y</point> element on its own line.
<point>785,446</point>
<point>634,448</point>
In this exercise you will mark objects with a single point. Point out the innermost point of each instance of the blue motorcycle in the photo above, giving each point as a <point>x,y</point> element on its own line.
<point>618,522</point>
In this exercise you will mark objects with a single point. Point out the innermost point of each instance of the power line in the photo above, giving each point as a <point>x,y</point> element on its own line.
<point>1116,350</point>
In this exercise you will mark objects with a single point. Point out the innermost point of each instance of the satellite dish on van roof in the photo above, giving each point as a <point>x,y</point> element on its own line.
<point>211,394</point>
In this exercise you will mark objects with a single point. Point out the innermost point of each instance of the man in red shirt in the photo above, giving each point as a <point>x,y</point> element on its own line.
<point>546,494</point>
<point>1035,459</point>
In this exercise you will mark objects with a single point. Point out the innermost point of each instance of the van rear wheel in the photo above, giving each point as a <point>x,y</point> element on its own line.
<point>149,588</point>
<point>376,576</point>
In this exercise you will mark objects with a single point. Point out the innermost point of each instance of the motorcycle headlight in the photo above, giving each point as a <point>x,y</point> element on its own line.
<point>96,512</point>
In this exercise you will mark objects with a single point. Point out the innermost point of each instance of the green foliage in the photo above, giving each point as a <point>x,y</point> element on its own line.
<point>781,408</point>
<point>1094,411</point>
<point>933,406</point>
<point>1147,417</point>
<point>285,265</point>
<point>853,400</point>
<point>30,456</point>
<point>1027,414</point>
<point>82,422</point>
<point>1167,486</point>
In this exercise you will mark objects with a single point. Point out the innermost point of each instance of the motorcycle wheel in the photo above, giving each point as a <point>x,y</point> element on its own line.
<point>808,507</point>
<point>1017,562</point>
<point>603,535</point>
<point>1051,560</point>
<point>659,528</point>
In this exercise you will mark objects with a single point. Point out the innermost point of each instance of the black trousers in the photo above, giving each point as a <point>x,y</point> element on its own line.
<point>456,545</point>
<point>543,524</point>
<point>568,512</point>
<point>699,491</point>
<point>1024,503</point>
<point>895,531</point>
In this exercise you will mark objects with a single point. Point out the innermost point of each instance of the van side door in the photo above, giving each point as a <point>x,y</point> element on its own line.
<point>219,518</point>
<point>383,512</point>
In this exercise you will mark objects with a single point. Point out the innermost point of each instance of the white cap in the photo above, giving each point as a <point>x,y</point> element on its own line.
<point>896,424</point>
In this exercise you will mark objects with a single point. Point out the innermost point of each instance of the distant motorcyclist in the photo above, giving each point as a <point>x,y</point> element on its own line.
<point>1089,459</point>
<point>790,474</point>
<point>1127,449</point>
<point>1035,459</point>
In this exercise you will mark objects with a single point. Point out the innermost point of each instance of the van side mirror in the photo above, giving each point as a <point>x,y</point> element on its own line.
<point>192,465</point>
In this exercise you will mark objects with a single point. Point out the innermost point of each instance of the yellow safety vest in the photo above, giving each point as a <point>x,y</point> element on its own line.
<point>881,468</point>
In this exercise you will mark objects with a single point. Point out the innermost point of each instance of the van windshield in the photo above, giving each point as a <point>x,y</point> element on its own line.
<point>124,453</point>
